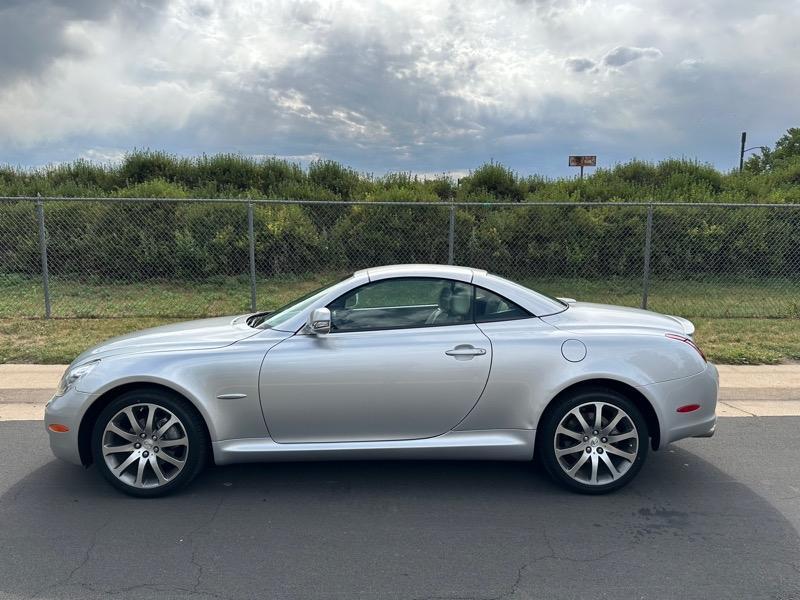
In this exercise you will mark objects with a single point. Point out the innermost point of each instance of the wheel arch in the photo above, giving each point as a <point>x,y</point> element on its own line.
<point>630,392</point>
<point>95,408</point>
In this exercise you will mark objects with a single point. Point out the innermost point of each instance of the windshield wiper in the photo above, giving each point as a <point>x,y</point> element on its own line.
<point>258,318</point>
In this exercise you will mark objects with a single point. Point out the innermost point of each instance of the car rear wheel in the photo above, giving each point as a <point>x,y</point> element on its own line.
<point>149,443</point>
<point>593,441</point>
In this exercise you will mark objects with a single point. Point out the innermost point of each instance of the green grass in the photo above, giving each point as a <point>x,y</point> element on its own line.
<point>87,313</point>
<point>749,341</point>
<point>22,296</point>
<point>768,298</point>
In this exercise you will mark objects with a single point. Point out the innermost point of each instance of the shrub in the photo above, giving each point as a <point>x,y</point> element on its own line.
<point>371,235</point>
<point>143,165</point>
<point>343,182</point>
<point>494,181</point>
<point>142,240</point>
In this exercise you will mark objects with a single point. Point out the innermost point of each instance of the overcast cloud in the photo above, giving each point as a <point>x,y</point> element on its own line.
<point>397,85</point>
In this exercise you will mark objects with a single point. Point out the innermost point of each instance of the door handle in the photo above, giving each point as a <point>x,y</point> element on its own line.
<point>466,350</point>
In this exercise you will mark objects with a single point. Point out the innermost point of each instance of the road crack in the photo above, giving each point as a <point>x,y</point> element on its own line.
<point>87,556</point>
<point>194,557</point>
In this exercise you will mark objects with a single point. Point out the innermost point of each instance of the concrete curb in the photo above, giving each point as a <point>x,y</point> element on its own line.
<point>30,377</point>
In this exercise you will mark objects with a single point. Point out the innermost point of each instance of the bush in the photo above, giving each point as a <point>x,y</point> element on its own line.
<point>492,181</point>
<point>372,235</point>
<point>145,240</point>
<point>563,241</point>
<point>287,241</point>
<point>341,181</point>
<point>141,166</point>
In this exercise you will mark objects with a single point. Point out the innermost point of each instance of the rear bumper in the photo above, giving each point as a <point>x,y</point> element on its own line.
<point>668,396</point>
<point>709,433</point>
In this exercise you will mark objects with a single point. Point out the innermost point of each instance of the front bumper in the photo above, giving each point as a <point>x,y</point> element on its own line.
<point>66,410</point>
<point>667,396</point>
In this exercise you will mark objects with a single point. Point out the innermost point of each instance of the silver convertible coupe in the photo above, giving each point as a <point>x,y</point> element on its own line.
<point>407,361</point>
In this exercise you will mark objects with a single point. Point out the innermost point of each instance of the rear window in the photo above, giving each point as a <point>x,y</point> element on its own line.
<point>491,307</point>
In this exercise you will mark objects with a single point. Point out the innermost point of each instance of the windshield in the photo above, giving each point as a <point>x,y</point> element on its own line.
<point>286,312</point>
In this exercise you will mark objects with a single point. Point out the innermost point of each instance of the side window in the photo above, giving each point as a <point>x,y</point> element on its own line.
<point>491,307</point>
<point>402,303</point>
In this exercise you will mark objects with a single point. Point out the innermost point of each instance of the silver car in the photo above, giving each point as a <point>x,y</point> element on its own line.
<point>406,361</point>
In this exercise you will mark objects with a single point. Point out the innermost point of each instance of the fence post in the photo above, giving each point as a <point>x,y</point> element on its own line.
<point>252,239</point>
<point>451,235</point>
<point>648,237</point>
<point>43,253</point>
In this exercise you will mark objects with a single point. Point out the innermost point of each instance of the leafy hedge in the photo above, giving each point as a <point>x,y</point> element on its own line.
<point>143,240</point>
<point>185,240</point>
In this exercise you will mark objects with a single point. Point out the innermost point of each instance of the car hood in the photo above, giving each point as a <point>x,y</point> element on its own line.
<point>586,316</point>
<point>188,335</point>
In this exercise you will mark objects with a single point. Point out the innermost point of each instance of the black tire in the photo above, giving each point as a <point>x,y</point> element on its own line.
<point>194,455</point>
<point>561,410</point>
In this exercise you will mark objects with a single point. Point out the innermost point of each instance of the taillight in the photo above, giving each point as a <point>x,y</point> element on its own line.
<point>686,340</point>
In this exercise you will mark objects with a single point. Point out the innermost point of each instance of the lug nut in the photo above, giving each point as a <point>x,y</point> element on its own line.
<point>155,449</point>
<point>588,450</point>
<point>604,440</point>
<point>137,445</point>
<point>599,451</point>
<point>155,438</point>
<point>145,454</point>
<point>586,438</point>
<point>142,435</point>
<point>595,432</point>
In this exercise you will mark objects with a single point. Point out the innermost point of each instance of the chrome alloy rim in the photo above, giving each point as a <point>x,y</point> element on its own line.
<point>145,445</point>
<point>596,443</point>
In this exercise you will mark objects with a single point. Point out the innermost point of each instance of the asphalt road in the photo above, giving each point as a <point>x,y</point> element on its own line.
<point>716,518</point>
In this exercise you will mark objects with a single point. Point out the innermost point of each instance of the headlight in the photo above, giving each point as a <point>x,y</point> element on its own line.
<point>72,375</point>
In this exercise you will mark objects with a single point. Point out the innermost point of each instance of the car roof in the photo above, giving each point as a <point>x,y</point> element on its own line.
<point>421,270</point>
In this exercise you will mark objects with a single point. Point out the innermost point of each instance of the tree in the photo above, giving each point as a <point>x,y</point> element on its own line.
<point>787,147</point>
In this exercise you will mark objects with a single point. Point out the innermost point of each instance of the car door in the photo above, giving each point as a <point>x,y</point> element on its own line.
<point>404,360</point>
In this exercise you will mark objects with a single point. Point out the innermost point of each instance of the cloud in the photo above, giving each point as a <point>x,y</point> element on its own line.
<point>34,33</point>
<point>622,55</point>
<point>418,86</point>
<point>104,155</point>
<point>579,65</point>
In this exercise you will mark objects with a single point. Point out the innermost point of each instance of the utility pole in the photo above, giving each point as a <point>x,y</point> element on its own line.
<point>741,151</point>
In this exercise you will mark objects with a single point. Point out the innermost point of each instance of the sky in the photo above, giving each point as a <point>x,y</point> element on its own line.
<point>427,87</point>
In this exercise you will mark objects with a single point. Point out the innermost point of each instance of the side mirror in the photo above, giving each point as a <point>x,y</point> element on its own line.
<point>319,321</point>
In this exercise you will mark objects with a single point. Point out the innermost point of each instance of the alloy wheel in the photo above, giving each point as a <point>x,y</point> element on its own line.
<point>145,445</point>
<point>596,443</point>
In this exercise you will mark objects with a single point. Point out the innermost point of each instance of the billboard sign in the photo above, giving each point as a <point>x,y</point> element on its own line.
<point>583,161</point>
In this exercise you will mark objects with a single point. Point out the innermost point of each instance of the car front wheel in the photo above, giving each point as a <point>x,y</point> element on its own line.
<point>149,443</point>
<point>593,441</point>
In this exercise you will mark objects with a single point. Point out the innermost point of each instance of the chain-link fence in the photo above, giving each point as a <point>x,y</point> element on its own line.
<point>191,258</point>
